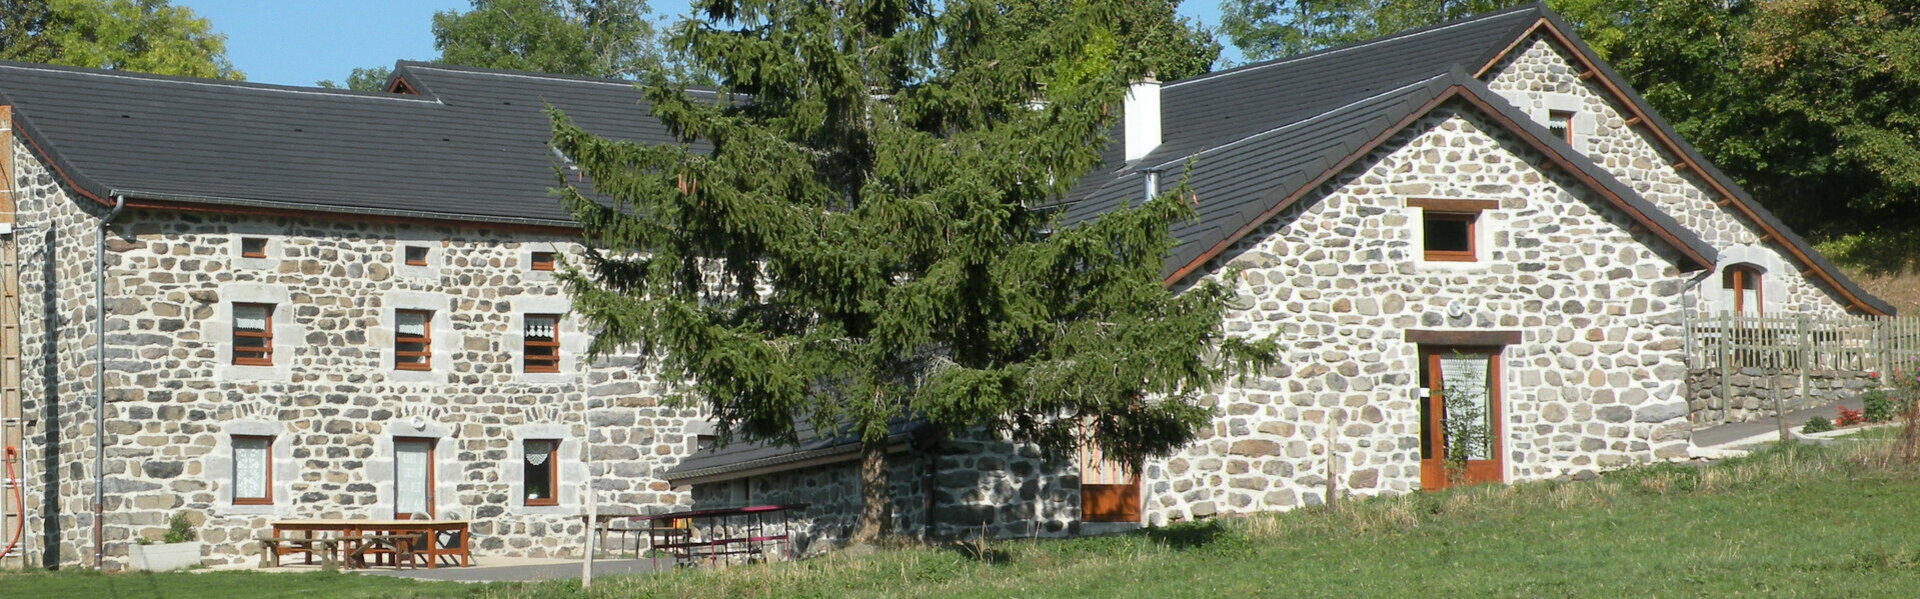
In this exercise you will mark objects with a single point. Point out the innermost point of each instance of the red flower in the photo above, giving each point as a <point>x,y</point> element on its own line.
<point>1849,417</point>
<point>1873,375</point>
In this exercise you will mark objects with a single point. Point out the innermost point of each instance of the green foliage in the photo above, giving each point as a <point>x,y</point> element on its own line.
<point>1876,406</point>
<point>869,238</point>
<point>179,529</point>
<point>1264,29</point>
<point>589,38</point>
<point>1817,424</point>
<point>1465,426</point>
<point>366,79</point>
<point>1148,36</point>
<point>146,36</point>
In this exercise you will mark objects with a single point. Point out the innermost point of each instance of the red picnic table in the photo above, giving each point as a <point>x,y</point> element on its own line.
<point>711,534</point>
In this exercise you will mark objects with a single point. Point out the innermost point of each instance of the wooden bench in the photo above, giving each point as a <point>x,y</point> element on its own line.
<point>399,547</point>
<point>272,547</point>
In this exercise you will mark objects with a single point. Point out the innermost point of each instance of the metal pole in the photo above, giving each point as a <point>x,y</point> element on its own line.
<point>100,385</point>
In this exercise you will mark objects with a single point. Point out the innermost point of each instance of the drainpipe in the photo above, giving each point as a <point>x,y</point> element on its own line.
<point>100,385</point>
<point>1686,312</point>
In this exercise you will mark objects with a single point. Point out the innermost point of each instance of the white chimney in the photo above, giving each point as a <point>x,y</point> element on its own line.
<point>1142,112</point>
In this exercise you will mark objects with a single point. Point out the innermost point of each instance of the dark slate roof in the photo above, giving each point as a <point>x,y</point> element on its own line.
<point>716,463</point>
<point>475,151</point>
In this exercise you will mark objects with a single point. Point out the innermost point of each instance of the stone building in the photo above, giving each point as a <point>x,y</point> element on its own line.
<point>251,302</point>
<point>1482,207</point>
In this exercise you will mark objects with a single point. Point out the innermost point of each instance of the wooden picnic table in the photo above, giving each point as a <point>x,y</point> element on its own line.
<point>445,539</point>
<point>731,531</point>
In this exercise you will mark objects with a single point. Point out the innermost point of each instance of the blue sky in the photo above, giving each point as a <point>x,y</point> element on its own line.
<point>298,42</point>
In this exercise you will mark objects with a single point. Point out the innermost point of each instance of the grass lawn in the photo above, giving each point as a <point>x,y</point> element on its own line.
<point>83,584</point>
<point>1873,434</point>
<point>1810,522</point>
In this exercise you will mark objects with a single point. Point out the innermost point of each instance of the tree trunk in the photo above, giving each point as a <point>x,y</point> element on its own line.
<point>875,505</point>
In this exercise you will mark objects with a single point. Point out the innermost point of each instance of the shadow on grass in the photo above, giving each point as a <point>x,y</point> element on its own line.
<point>1196,535</point>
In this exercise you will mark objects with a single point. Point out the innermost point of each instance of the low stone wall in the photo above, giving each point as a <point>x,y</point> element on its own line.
<point>1750,392</point>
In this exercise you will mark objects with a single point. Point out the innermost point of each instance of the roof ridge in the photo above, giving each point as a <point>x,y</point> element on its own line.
<point>1359,44</point>
<point>246,85</point>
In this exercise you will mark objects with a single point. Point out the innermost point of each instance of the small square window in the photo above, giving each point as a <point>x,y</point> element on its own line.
<point>542,261</point>
<point>416,255</point>
<point>1448,236</point>
<point>1560,124</point>
<point>253,247</point>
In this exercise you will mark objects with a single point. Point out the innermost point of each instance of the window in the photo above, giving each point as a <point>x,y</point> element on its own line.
<point>1560,124</point>
<point>252,470</point>
<point>541,349</point>
<point>413,340</point>
<point>543,261</point>
<point>1741,283</point>
<point>540,471</point>
<point>416,255</point>
<point>1448,228</point>
<point>413,478</point>
<point>253,334</point>
<point>253,247</point>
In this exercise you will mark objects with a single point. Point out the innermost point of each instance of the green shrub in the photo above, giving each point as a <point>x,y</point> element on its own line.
<point>1817,424</point>
<point>1876,406</point>
<point>179,529</point>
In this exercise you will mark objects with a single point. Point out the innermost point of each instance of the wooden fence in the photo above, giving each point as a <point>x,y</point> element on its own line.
<point>1803,343</point>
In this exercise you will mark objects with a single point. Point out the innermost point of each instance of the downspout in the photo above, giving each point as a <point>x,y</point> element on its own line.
<point>100,384</point>
<point>1686,312</point>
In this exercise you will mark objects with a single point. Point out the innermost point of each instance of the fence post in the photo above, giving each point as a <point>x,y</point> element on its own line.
<point>1805,357</point>
<point>1726,361</point>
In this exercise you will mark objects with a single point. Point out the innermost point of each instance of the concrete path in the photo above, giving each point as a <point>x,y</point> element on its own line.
<point>520,570</point>
<point>1764,429</point>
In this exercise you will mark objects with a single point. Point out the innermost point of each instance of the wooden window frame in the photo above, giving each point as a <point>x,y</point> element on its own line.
<point>406,255</point>
<point>542,261</point>
<point>1566,135</point>
<point>528,363</point>
<point>267,482</point>
<point>1468,211</point>
<point>246,252</point>
<point>553,474</point>
<point>425,340</point>
<point>1738,278</point>
<point>266,335</point>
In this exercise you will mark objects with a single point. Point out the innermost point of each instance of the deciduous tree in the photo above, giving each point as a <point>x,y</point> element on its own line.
<point>146,36</point>
<point>866,235</point>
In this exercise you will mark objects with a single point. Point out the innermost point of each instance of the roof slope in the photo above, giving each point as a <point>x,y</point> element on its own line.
<point>477,152</point>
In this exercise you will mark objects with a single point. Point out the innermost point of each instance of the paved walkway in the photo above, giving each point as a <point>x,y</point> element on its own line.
<point>1764,429</point>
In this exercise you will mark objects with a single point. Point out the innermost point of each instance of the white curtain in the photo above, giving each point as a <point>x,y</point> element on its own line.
<point>250,318</point>
<point>537,452</point>
<point>410,477</point>
<point>540,328</point>
<point>412,324</point>
<point>250,467</point>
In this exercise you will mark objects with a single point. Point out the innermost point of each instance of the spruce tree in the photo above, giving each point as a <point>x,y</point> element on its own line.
<point>861,229</point>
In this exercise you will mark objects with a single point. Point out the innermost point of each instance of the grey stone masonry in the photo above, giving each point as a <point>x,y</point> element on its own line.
<point>330,397</point>
<point>1539,77</point>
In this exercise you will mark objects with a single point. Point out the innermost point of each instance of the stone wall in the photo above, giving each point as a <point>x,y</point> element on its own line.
<point>1540,77</point>
<point>56,236</point>
<point>832,495</point>
<point>331,398</point>
<point>1751,392</point>
<point>1595,383</point>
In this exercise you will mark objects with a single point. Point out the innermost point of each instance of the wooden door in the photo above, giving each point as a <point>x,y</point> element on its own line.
<point>412,478</point>
<point>1468,424</point>
<point>1109,491</point>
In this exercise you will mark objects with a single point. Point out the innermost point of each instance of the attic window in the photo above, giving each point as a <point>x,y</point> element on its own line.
<point>416,255</point>
<point>253,247</point>
<point>542,261</point>
<point>1449,228</point>
<point>1560,124</point>
<point>400,86</point>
